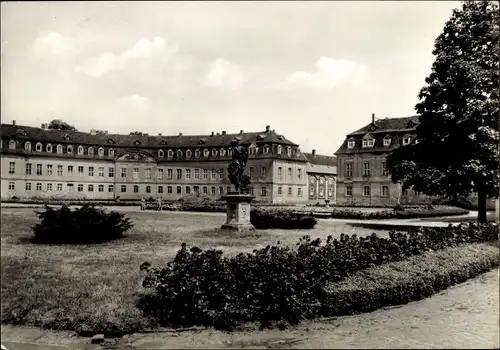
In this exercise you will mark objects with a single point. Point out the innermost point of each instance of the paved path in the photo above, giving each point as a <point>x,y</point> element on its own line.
<point>464,316</point>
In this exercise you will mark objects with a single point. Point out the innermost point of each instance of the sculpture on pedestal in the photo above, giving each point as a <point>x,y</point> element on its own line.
<point>236,168</point>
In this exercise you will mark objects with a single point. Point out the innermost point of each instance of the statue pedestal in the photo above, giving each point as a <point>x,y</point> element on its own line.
<point>238,212</point>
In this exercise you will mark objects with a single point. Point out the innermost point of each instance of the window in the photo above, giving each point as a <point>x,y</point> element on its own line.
<point>387,142</point>
<point>161,154</point>
<point>12,144</point>
<point>205,189</point>
<point>111,152</point>
<point>196,173</point>
<point>160,189</point>
<point>366,169</point>
<point>170,174</point>
<point>91,171</point>
<point>148,189</point>
<point>406,140</point>
<point>222,152</point>
<point>91,151</point>
<point>368,143</point>
<point>49,187</point>
<point>299,174</point>
<point>80,150</point>
<point>49,169</point>
<point>48,148</point>
<point>70,170</point>
<point>38,147</point>
<point>111,172</point>
<point>28,186</point>
<point>263,191</point>
<point>366,190</point>
<point>213,190</point>
<point>189,153</point>
<point>385,191</point>
<point>188,173</point>
<point>197,153</point>
<point>170,153</point>
<point>330,192</point>
<point>12,167</point>
<point>350,144</point>
<point>136,188</point>
<point>136,173</point>
<point>27,146</point>
<point>100,151</point>
<point>80,169</point>
<point>266,149</point>
<point>221,173</point>
<point>206,152</point>
<point>69,149</point>
<point>348,170</point>
<point>205,174</point>
<point>179,174</point>
<point>299,192</point>
<point>280,190</point>
<point>251,171</point>
<point>279,149</point>
<point>101,171</point>
<point>214,153</point>
<point>123,188</point>
<point>124,172</point>
<point>290,173</point>
<point>91,188</point>
<point>230,152</point>
<point>179,189</point>
<point>59,187</point>
<point>80,188</point>
<point>12,186</point>
<point>288,151</point>
<point>169,189</point>
<point>221,190</point>
<point>111,188</point>
<point>289,190</point>
<point>101,188</point>
<point>28,168</point>
<point>179,153</point>
<point>39,186</point>
<point>263,171</point>
<point>280,173</point>
<point>59,170</point>
<point>59,149</point>
<point>214,174</point>
<point>188,189</point>
<point>385,172</point>
<point>348,191</point>
<point>148,173</point>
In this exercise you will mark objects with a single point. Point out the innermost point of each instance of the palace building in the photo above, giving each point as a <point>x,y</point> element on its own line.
<point>321,175</point>
<point>41,163</point>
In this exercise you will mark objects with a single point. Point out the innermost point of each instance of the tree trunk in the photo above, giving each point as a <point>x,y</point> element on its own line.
<point>481,201</point>
<point>455,198</point>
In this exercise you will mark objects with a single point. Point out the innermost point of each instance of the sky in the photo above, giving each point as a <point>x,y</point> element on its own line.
<point>313,71</point>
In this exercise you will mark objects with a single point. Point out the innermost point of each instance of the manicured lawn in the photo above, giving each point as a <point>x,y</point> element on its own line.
<point>66,286</point>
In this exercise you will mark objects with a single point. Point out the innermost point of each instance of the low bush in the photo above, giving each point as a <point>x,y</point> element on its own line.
<point>398,213</point>
<point>282,219</point>
<point>278,283</point>
<point>85,225</point>
<point>71,202</point>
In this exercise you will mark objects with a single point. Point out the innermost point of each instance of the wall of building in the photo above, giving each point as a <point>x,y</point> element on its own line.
<point>289,182</point>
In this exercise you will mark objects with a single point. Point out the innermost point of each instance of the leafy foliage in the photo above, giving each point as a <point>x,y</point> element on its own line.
<point>58,124</point>
<point>85,225</point>
<point>279,284</point>
<point>456,148</point>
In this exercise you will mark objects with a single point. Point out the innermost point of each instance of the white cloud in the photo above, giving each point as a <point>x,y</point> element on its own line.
<point>142,49</point>
<point>329,73</point>
<point>225,74</point>
<point>53,43</point>
<point>133,104</point>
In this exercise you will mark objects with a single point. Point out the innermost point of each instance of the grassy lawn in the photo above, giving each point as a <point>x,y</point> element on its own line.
<point>45,285</point>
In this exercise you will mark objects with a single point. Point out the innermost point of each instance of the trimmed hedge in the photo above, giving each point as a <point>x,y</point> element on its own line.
<point>85,225</point>
<point>282,219</point>
<point>72,202</point>
<point>279,284</point>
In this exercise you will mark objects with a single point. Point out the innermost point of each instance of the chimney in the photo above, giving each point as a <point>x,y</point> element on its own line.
<point>314,153</point>
<point>241,132</point>
<point>218,134</point>
<point>180,134</point>
<point>159,134</point>
<point>223,132</point>
<point>373,118</point>
<point>268,128</point>
<point>212,133</point>
<point>14,122</point>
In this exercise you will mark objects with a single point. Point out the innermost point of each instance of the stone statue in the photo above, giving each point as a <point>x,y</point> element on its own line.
<point>240,181</point>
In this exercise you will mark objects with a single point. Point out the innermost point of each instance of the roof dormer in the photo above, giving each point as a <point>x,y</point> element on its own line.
<point>351,142</point>
<point>368,141</point>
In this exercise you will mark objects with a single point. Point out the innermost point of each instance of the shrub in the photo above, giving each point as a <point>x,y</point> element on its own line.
<point>277,283</point>
<point>398,213</point>
<point>283,219</point>
<point>84,225</point>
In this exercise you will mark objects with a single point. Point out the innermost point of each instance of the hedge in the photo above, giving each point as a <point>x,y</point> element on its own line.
<point>281,219</point>
<point>277,283</point>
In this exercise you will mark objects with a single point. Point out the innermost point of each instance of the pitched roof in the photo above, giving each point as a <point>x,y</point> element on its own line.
<point>144,140</point>
<point>388,125</point>
<point>319,159</point>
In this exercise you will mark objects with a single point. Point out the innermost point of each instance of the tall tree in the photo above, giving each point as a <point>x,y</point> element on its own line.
<point>456,148</point>
<point>58,124</point>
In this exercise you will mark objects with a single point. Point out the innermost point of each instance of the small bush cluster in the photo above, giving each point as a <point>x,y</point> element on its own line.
<point>279,284</point>
<point>85,225</point>
<point>281,219</point>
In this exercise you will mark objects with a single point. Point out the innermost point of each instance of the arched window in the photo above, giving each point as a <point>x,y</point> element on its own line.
<point>38,147</point>
<point>111,152</point>
<point>59,149</point>
<point>279,149</point>
<point>69,149</point>
<point>266,149</point>
<point>189,153</point>
<point>179,153</point>
<point>222,152</point>
<point>197,153</point>
<point>288,151</point>
<point>12,144</point>
<point>91,151</point>
<point>49,148</point>
<point>27,146</point>
<point>206,152</point>
<point>229,153</point>
<point>100,151</point>
<point>214,153</point>
<point>161,154</point>
<point>170,153</point>
<point>80,150</point>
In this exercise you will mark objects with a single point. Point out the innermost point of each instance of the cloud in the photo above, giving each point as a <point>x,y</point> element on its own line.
<point>329,74</point>
<point>226,74</point>
<point>142,49</point>
<point>53,43</point>
<point>135,104</point>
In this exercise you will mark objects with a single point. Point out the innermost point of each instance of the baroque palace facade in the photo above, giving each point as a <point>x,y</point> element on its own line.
<point>41,163</point>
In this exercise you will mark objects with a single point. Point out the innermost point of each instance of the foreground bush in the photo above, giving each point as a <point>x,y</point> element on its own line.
<point>85,225</point>
<point>279,284</point>
<point>282,219</point>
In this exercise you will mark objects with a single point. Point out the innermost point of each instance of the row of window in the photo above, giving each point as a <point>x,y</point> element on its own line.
<point>321,191</point>
<point>366,169</point>
<point>290,191</point>
<point>384,191</point>
<point>367,143</point>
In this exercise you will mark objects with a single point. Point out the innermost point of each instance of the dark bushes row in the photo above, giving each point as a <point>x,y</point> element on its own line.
<point>85,225</point>
<point>406,213</point>
<point>278,283</point>
<point>70,202</point>
<point>282,219</point>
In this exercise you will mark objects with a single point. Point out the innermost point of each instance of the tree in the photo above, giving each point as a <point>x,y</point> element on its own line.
<point>58,124</point>
<point>456,148</point>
